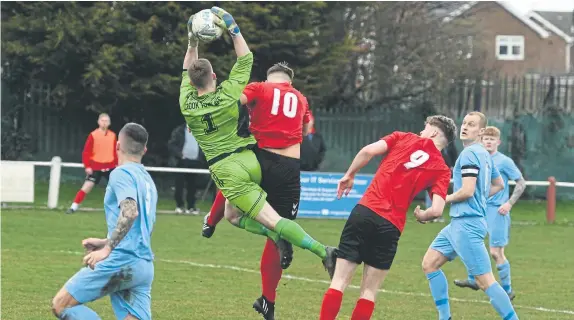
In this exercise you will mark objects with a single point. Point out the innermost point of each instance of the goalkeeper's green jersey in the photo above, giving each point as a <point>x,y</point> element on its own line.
<point>216,119</point>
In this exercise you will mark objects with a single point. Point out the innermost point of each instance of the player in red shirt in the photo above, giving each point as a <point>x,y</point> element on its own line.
<point>413,163</point>
<point>280,116</point>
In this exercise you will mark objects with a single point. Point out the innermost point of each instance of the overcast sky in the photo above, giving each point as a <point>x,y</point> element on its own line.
<point>543,5</point>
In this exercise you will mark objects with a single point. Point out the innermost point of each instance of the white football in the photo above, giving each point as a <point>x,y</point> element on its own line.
<point>204,27</point>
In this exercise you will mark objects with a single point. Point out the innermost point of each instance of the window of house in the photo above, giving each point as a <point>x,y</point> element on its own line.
<point>510,47</point>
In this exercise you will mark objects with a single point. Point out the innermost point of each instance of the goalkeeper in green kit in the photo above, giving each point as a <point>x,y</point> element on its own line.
<point>213,115</point>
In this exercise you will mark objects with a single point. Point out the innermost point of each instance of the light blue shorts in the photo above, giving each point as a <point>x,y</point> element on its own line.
<point>498,227</point>
<point>464,237</point>
<point>128,284</point>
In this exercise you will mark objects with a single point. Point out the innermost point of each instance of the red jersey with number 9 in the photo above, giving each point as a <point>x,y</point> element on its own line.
<point>277,112</point>
<point>412,164</point>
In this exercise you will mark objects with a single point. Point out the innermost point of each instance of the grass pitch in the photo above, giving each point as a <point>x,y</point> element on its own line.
<point>218,278</point>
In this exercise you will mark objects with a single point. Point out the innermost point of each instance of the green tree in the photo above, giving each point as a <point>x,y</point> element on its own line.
<point>125,57</point>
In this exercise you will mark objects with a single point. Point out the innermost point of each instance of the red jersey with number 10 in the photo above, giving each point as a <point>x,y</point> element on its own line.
<point>412,164</point>
<point>277,112</point>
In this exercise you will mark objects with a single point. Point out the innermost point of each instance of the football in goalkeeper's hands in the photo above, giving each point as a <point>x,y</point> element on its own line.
<point>204,26</point>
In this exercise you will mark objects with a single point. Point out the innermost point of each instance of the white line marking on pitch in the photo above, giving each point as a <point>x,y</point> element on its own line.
<point>286,276</point>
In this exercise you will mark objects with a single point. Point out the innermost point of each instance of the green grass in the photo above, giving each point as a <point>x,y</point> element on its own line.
<point>68,191</point>
<point>41,250</point>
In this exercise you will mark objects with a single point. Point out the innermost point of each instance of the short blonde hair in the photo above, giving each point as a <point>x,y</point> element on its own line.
<point>103,114</point>
<point>483,122</point>
<point>492,131</point>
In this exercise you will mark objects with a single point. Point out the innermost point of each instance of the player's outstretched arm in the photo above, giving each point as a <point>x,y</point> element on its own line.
<point>366,154</point>
<point>241,71</point>
<point>227,22</point>
<point>361,159</point>
<point>192,42</point>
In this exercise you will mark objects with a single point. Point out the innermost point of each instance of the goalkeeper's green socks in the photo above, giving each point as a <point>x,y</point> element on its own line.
<point>287,230</point>
<point>255,227</point>
<point>292,232</point>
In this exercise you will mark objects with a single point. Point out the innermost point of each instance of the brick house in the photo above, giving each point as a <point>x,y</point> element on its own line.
<point>512,43</point>
<point>564,21</point>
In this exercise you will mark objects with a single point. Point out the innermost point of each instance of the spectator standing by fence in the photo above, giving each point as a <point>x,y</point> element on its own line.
<point>312,149</point>
<point>185,153</point>
<point>99,158</point>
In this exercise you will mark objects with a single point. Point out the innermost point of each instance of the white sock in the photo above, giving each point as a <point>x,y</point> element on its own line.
<point>74,206</point>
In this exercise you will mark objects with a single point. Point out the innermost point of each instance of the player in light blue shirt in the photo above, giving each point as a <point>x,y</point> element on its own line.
<point>475,179</point>
<point>121,265</point>
<point>498,211</point>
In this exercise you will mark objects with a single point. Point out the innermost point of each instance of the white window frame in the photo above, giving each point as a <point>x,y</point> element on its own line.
<point>509,41</point>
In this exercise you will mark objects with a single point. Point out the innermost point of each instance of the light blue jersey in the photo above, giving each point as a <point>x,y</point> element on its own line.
<point>126,275</point>
<point>132,181</point>
<point>473,161</point>
<point>509,171</point>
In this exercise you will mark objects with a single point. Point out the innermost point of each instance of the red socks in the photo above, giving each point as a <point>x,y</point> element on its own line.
<point>363,310</point>
<point>270,270</point>
<point>331,304</point>
<point>217,210</point>
<point>79,196</point>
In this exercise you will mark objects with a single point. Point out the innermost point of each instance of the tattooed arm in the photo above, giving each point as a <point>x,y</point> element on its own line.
<point>518,190</point>
<point>128,214</point>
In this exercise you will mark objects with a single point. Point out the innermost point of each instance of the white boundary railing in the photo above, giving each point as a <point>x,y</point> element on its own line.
<point>56,169</point>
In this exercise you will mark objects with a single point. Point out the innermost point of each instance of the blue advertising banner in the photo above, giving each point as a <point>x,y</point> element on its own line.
<point>319,195</point>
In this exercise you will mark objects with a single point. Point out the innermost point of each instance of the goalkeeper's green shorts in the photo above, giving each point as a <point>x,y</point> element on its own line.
<point>238,177</point>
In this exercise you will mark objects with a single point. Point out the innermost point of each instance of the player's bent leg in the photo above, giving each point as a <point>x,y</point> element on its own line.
<point>440,252</point>
<point>233,215</point>
<point>468,237</point>
<point>432,262</point>
<point>130,295</point>
<point>271,272</point>
<point>79,198</point>
<point>498,297</point>
<point>238,177</point>
<point>343,275</point>
<point>372,280</point>
<point>499,230</point>
<point>292,232</point>
<point>88,186</point>
<point>497,254</point>
<point>67,304</point>
<point>333,298</point>
<point>503,267</point>
<point>215,215</point>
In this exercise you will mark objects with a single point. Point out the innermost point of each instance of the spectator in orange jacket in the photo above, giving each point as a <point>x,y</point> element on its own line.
<point>99,158</point>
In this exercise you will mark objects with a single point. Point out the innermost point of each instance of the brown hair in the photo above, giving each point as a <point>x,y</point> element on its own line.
<point>483,122</point>
<point>492,131</point>
<point>200,73</point>
<point>445,124</point>
<point>281,67</point>
<point>134,140</point>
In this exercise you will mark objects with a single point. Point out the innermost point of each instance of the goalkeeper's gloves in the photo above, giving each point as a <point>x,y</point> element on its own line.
<point>192,39</point>
<point>226,21</point>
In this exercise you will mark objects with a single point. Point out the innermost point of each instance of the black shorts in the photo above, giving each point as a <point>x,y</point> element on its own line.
<point>282,182</point>
<point>96,176</point>
<point>369,238</point>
